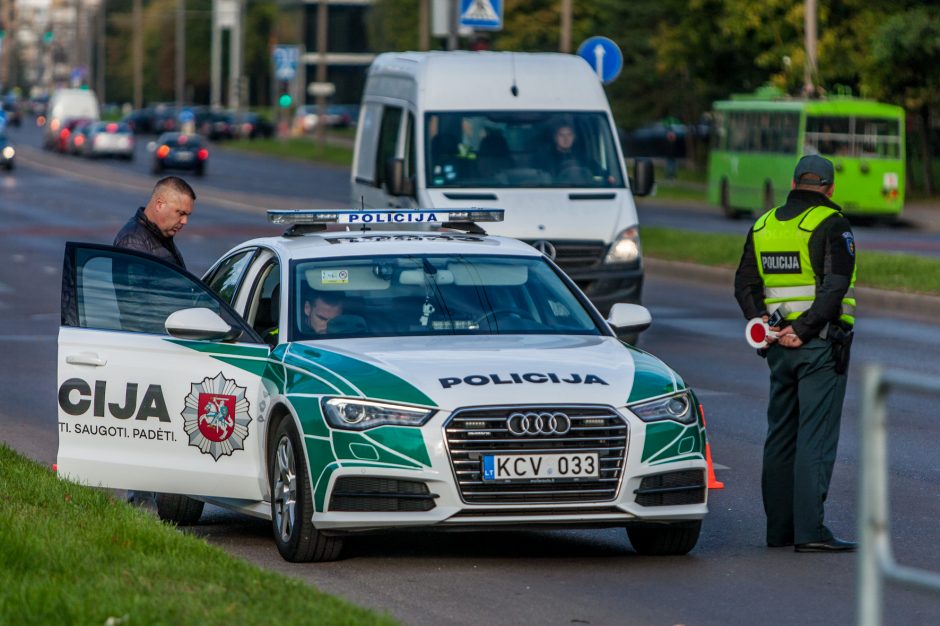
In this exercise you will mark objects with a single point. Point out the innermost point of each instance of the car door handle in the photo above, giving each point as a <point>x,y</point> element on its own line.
<point>86,358</point>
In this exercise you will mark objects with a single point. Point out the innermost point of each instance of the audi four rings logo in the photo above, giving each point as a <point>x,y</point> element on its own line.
<point>545,247</point>
<point>538,424</point>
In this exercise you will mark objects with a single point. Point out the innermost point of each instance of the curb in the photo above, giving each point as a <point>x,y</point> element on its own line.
<point>916,306</point>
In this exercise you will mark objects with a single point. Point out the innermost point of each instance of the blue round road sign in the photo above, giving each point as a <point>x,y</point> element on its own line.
<point>604,57</point>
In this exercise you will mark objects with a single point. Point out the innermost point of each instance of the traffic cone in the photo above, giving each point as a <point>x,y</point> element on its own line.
<point>713,482</point>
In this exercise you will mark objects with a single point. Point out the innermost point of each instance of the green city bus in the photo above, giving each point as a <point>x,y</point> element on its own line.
<point>757,141</point>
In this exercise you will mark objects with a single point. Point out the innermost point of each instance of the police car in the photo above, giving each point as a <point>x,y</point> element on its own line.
<point>374,370</point>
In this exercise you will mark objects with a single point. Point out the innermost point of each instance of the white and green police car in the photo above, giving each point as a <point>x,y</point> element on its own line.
<point>459,380</point>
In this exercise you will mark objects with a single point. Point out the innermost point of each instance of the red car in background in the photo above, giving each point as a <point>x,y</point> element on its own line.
<point>62,143</point>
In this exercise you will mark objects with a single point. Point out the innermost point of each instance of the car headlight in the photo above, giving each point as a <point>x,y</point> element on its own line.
<point>351,414</point>
<point>626,248</point>
<point>8,152</point>
<point>678,407</point>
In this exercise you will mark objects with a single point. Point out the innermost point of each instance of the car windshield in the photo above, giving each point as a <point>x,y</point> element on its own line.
<point>393,296</point>
<point>520,149</point>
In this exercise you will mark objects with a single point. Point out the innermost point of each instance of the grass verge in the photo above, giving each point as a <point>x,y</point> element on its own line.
<point>300,148</point>
<point>74,555</point>
<point>879,270</point>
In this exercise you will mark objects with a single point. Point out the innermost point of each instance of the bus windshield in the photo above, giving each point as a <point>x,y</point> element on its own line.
<point>520,149</point>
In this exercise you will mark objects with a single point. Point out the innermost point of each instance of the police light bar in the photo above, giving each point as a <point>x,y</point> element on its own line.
<point>311,220</point>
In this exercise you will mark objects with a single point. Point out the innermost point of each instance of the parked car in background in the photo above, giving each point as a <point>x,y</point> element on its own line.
<point>337,116</point>
<point>62,139</point>
<point>176,151</point>
<point>141,121</point>
<point>218,125</point>
<point>7,153</point>
<point>78,134</point>
<point>109,139</point>
<point>13,109</point>
<point>249,125</point>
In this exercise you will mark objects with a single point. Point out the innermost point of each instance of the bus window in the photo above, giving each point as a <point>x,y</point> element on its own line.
<point>829,135</point>
<point>878,138</point>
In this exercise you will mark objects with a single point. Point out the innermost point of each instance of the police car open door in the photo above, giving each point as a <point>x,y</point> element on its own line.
<point>141,407</point>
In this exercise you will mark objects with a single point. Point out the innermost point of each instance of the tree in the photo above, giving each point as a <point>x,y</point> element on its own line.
<point>905,69</point>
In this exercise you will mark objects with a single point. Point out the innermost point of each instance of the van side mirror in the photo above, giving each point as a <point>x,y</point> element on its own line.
<point>643,177</point>
<point>398,184</point>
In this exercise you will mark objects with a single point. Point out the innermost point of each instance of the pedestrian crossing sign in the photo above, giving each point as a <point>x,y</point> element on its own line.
<point>482,14</point>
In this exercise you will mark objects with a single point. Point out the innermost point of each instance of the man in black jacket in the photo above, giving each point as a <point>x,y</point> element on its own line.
<point>151,230</point>
<point>153,227</point>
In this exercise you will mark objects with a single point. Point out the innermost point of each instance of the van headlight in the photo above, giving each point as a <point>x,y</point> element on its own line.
<point>352,414</point>
<point>8,152</point>
<point>677,407</point>
<point>626,248</point>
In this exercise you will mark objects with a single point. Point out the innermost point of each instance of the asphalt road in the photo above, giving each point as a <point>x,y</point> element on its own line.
<point>545,577</point>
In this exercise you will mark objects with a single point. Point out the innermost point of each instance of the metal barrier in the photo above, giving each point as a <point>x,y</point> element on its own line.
<point>876,560</point>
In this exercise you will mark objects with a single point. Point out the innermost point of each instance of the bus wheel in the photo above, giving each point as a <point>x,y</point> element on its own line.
<point>768,196</point>
<point>729,212</point>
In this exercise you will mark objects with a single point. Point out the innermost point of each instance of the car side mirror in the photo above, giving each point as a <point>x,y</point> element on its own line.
<point>643,177</point>
<point>200,323</point>
<point>398,183</point>
<point>629,318</point>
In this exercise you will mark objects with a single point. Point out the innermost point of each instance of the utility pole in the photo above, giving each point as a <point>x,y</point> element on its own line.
<point>424,25</point>
<point>215,77</point>
<point>101,52</point>
<point>180,73</point>
<point>138,13</point>
<point>322,17</point>
<point>453,42</point>
<point>235,56</point>
<point>809,69</point>
<point>565,44</point>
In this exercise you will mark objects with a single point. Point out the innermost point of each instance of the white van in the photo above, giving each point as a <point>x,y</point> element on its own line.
<point>66,105</point>
<point>531,133</point>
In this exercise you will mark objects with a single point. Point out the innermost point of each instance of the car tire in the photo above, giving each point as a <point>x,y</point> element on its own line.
<point>157,167</point>
<point>9,166</point>
<point>664,539</point>
<point>292,502</point>
<point>201,171</point>
<point>178,509</point>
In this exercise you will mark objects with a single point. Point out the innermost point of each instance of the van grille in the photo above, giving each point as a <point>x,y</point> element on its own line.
<point>576,255</point>
<point>473,433</point>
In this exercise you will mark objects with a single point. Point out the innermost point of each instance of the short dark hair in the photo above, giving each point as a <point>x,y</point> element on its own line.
<point>330,298</point>
<point>174,183</point>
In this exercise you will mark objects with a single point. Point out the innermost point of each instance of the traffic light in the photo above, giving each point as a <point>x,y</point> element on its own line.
<point>284,100</point>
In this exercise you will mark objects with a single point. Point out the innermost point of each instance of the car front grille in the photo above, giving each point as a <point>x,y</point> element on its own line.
<point>474,432</point>
<point>576,255</point>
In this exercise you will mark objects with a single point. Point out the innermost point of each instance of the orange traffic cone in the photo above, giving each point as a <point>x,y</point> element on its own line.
<point>713,482</point>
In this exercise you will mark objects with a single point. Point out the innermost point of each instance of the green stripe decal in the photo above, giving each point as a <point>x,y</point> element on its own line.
<point>298,382</point>
<point>311,419</point>
<point>651,377</point>
<point>372,381</point>
<point>407,440</point>
<point>252,366</point>
<point>668,442</point>
<point>322,465</point>
<point>342,440</point>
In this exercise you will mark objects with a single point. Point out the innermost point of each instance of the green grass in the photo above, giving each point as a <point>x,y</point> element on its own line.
<point>300,148</point>
<point>74,555</point>
<point>880,270</point>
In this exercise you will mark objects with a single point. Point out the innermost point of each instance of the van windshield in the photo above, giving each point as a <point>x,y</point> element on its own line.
<point>520,149</point>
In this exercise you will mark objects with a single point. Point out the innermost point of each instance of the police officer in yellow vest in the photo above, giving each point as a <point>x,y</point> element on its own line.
<point>797,271</point>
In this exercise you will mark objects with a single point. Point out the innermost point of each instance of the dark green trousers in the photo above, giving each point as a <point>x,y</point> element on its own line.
<point>803,420</point>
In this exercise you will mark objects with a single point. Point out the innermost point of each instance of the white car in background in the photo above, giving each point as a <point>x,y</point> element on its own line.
<point>461,381</point>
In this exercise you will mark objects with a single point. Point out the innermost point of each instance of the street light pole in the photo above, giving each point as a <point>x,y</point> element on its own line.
<point>138,54</point>
<point>809,27</point>
<point>180,53</point>
<point>322,17</point>
<point>565,44</point>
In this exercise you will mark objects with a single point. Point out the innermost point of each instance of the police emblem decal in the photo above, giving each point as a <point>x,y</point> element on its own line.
<point>849,242</point>
<point>216,416</point>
